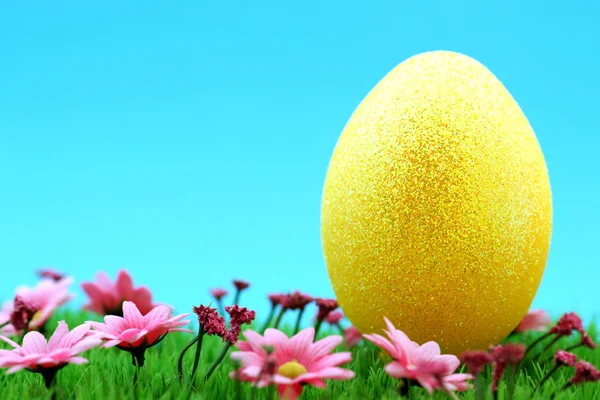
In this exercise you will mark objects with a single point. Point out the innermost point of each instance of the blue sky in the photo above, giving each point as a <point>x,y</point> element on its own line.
<point>189,141</point>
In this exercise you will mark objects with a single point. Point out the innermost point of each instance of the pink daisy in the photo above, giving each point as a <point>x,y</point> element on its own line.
<point>135,332</point>
<point>106,298</point>
<point>352,336</point>
<point>535,320</point>
<point>294,362</point>
<point>47,358</point>
<point>48,295</point>
<point>425,363</point>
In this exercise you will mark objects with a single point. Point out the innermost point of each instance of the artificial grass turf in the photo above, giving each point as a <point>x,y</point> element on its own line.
<point>109,375</point>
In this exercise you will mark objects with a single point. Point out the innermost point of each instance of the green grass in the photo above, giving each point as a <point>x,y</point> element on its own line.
<point>109,375</point>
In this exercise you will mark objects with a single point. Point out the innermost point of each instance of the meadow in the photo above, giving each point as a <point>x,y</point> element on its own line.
<point>110,373</point>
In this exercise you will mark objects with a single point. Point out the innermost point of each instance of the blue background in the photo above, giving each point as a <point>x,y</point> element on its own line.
<point>189,141</point>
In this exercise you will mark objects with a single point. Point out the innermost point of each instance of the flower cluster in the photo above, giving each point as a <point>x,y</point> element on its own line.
<point>134,323</point>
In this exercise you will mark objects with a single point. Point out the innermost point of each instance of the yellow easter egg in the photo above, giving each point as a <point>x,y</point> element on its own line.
<point>436,210</point>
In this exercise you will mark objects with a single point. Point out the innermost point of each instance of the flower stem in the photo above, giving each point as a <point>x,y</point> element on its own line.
<point>197,356</point>
<point>512,381</point>
<point>279,317</point>
<point>137,359</point>
<point>546,377</point>
<point>25,330</point>
<point>269,318</point>
<point>546,348</point>
<point>236,299</point>
<point>220,307</point>
<point>479,393</point>
<point>4,324</point>
<point>218,360</point>
<point>535,342</point>
<point>340,328</point>
<point>49,377</point>
<point>318,326</point>
<point>297,328</point>
<point>180,359</point>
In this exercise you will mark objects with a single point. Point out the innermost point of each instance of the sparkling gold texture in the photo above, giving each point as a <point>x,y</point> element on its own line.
<point>437,210</point>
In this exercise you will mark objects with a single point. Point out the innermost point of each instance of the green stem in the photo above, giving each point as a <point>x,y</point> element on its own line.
<point>218,360</point>
<point>297,328</point>
<point>279,317</point>
<point>49,377</point>
<point>137,359</point>
<point>318,326</point>
<point>25,330</point>
<point>550,344</point>
<point>236,299</point>
<point>479,393</point>
<point>180,359</point>
<point>340,328</point>
<point>269,318</point>
<point>4,324</point>
<point>535,342</point>
<point>197,356</point>
<point>220,307</point>
<point>546,377</point>
<point>512,380</point>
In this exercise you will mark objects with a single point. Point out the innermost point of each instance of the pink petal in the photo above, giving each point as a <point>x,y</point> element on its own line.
<point>96,297</point>
<point>132,315</point>
<point>323,347</point>
<point>34,343</point>
<point>330,360</point>
<point>117,324</point>
<point>142,297</point>
<point>16,368</point>
<point>384,343</point>
<point>302,340</point>
<point>77,360</point>
<point>57,336</point>
<point>10,342</point>
<point>255,340</point>
<point>124,284</point>
<point>247,358</point>
<point>132,335</point>
<point>85,344</point>
<point>112,343</point>
<point>396,369</point>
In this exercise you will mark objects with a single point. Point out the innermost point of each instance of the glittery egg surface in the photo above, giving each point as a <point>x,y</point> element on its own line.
<point>437,210</point>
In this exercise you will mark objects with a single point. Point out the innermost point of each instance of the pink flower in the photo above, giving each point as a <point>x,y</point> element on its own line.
<point>23,312</point>
<point>240,285</point>
<point>424,364</point>
<point>536,320</point>
<point>295,301</point>
<point>503,356</point>
<point>275,298</point>
<point>476,360</point>
<point>218,293</point>
<point>587,341</point>
<point>299,361</point>
<point>568,323</point>
<point>325,306</point>
<point>584,372</point>
<point>136,331</point>
<point>50,274</point>
<point>107,298</point>
<point>210,321</point>
<point>334,317</point>
<point>352,337</point>
<point>238,316</point>
<point>46,358</point>
<point>47,296</point>
<point>565,358</point>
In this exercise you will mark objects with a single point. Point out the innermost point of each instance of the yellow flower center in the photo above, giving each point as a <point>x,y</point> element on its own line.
<point>291,369</point>
<point>36,316</point>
